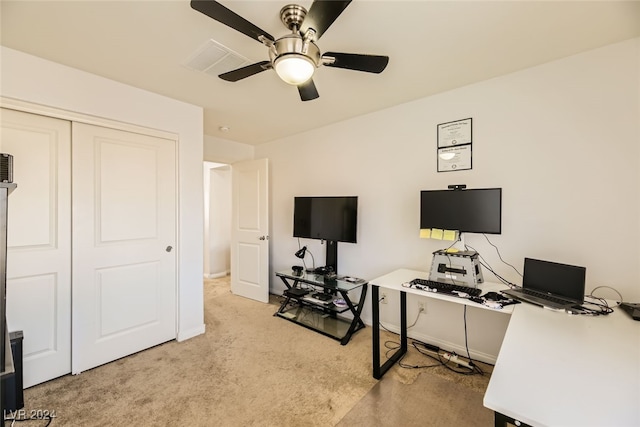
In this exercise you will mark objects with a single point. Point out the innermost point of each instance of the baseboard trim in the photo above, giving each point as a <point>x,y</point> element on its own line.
<point>216,275</point>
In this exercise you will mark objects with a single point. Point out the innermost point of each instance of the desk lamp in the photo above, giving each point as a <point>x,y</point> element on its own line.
<point>300,253</point>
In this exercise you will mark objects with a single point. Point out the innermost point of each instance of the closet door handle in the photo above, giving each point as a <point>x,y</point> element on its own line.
<point>168,248</point>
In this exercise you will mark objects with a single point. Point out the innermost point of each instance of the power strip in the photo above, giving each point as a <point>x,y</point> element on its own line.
<point>453,358</point>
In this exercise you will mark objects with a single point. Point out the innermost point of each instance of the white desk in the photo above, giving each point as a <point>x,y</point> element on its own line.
<point>393,281</point>
<point>555,369</point>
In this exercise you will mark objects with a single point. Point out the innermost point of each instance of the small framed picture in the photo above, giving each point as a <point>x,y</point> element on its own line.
<point>454,133</point>
<point>454,158</point>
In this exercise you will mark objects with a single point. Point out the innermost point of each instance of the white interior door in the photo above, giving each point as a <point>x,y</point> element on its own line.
<point>124,233</point>
<point>250,229</point>
<point>39,242</point>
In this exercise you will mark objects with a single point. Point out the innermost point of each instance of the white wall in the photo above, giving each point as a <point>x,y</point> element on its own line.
<point>217,256</point>
<point>224,151</point>
<point>35,80</point>
<point>561,139</point>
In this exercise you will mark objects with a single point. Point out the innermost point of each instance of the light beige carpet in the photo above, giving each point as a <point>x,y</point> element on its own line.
<point>249,369</point>
<point>430,400</point>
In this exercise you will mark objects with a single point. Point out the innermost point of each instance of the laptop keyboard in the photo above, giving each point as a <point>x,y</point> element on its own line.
<point>544,296</point>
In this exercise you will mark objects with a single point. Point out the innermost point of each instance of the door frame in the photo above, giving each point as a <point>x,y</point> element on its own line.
<point>72,116</point>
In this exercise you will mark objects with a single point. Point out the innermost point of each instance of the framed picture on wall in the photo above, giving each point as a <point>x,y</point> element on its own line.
<point>454,145</point>
<point>454,158</point>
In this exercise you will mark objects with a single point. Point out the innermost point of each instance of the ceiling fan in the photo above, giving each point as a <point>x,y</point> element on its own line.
<point>294,56</point>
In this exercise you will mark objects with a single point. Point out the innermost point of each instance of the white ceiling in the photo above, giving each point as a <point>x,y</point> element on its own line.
<point>433,46</point>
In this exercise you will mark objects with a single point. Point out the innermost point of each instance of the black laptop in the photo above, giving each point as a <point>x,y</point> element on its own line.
<point>550,284</point>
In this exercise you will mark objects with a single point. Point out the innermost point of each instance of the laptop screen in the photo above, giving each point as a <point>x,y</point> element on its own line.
<point>551,277</point>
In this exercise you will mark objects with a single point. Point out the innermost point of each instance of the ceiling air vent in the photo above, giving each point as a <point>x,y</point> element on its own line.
<point>214,59</point>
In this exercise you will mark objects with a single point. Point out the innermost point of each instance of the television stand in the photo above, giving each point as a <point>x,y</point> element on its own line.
<point>325,316</point>
<point>322,296</point>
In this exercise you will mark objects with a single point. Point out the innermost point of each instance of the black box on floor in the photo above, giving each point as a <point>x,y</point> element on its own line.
<point>12,396</point>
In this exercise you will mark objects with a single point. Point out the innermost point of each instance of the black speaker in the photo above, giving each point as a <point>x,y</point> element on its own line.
<point>6,167</point>
<point>12,385</point>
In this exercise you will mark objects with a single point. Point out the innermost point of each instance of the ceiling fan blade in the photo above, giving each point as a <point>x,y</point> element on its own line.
<point>321,15</point>
<point>308,90</point>
<point>215,10</point>
<point>355,61</point>
<point>244,72</point>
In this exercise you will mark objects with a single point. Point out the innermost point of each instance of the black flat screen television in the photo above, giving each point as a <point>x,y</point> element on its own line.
<point>470,210</point>
<point>331,218</point>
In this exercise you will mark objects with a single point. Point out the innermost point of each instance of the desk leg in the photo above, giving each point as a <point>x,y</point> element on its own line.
<point>379,371</point>
<point>501,420</point>
<point>286,282</point>
<point>287,298</point>
<point>356,323</point>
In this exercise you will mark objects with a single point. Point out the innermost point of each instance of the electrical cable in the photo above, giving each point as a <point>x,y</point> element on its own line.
<point>303,263</point>
<point>313,260</point>
<point>466,343</point>
<point>499,277</point>
<point>451,245</point>
<point>446,253</point>
<point>407,366</point>
<point>602,299</point>
<point>396,345</point>
<point>392,346</point>
<point>451,277</point>
<point>466,371</point>
<point>500,256</point>
<point>486,265</point>
<point>466,339</point>
<point>602,308</point>
<point>408,327</point>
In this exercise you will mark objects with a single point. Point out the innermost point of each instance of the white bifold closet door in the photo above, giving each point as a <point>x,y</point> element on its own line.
<point>39,241</point>
<point>124,234</point>
<point>91,258</point>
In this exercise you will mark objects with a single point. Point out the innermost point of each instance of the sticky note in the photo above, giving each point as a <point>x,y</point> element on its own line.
<point>425,233</point>
<point>449,235</point>
<point>436,233</point>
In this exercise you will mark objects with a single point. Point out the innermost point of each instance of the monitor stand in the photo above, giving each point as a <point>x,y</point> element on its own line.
<point>331,260</point>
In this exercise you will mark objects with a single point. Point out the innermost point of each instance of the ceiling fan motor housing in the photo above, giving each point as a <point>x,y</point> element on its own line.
<point>293,44</point>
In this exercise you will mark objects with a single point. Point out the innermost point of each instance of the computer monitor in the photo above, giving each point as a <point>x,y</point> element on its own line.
<point>465,210</point>
<point>330,218</point>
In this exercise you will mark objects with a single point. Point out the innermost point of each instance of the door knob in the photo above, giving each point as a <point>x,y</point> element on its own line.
<point>168,249</point>
<point>263,238</point>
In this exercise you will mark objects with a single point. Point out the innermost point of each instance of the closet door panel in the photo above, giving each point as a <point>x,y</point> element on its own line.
<point>39,241</point>
<point>124,222</point>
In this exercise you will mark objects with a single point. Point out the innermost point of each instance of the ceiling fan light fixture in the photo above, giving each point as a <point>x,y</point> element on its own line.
<point>294,56</point>
<point>294,68</point>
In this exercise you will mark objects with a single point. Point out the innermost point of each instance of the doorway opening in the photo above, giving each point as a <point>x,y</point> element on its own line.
<point>217,220</point>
